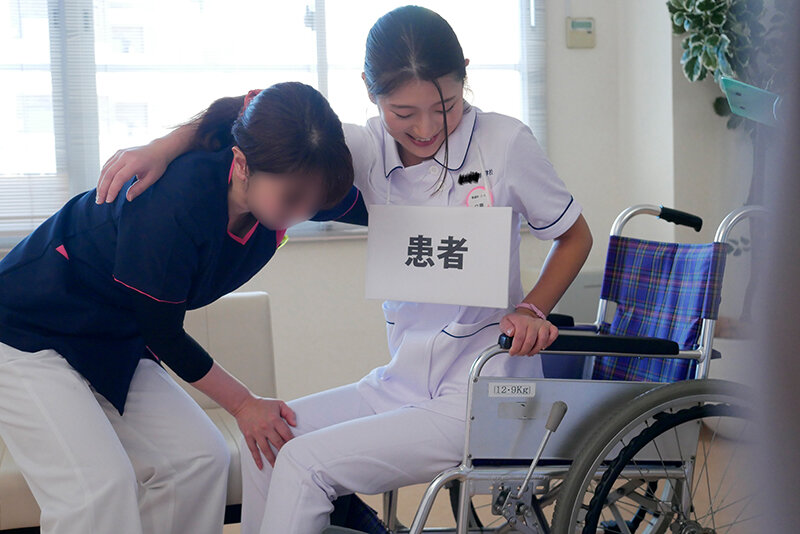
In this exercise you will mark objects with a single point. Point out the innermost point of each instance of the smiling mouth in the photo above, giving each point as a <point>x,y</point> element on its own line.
<point>423,141</point>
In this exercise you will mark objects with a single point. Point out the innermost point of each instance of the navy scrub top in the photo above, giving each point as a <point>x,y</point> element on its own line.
<point>70,286</point>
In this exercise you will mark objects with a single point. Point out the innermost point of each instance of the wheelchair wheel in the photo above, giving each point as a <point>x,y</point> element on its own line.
<point>659,465</point>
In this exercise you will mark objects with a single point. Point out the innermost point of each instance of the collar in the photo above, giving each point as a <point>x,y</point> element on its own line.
<point>458,142</point>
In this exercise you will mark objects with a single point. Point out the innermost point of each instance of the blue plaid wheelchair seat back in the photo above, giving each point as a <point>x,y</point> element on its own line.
<point>661,290</point>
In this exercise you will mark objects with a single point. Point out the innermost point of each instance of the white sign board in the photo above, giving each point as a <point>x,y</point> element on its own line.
<point>441,255</point>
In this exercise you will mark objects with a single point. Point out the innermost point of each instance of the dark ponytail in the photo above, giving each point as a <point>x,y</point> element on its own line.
<point>213,126</point>
<point>413,43</point>
<point>286,128</point>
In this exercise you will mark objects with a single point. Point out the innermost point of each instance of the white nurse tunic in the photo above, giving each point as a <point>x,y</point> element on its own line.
<point>495,160</point>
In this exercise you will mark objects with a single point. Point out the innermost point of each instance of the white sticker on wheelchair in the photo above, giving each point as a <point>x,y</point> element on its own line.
<point>512,389</point>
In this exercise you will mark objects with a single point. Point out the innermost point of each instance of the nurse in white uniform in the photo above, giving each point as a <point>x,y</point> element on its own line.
<point>404,422</point>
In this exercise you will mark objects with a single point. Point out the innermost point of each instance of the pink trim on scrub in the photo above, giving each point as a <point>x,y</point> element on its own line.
<point>280,236</point>
<point>153,353</point>
<point>353,205</point>
<point>148,295</point>
<point>243,240</point>
<point>240,240</point>
<point>61,250</point>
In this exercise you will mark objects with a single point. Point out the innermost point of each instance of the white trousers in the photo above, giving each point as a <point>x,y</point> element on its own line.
<point>341,446</point>
<point>160,468</point>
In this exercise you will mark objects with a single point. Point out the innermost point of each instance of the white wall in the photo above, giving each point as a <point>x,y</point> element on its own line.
<point>610,111</point>
<point>326,333</point>
<point>713,165</point>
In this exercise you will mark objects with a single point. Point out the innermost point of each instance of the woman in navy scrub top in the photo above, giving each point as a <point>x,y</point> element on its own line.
<point>94,299</point>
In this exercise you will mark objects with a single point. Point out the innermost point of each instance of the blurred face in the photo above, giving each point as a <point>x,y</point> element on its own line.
<point>279,201</point>
<point>413,116</point>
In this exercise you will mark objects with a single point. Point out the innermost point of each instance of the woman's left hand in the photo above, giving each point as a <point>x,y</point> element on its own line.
<point>531,333</point>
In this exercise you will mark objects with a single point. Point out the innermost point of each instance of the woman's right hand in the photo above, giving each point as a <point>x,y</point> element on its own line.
<point>147,163</point>
<point>265,422</point>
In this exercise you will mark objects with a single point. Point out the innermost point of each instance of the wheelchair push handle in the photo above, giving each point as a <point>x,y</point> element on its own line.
<point>682,218</point>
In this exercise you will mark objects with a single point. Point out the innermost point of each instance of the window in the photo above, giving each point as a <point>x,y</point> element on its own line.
<point>83,78</point>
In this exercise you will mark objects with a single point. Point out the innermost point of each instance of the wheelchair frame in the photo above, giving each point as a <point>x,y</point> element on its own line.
<point>471,475</point>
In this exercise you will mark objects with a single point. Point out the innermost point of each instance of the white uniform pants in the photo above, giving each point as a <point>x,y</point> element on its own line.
<point>160,468</point>
<point>341,446</point>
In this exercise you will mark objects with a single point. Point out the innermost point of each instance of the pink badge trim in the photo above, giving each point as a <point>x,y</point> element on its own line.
<point>489,193</point>
<point>61,250</point>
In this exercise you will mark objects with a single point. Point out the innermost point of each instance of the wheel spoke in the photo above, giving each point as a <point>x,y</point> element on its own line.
<point>705,463</point>
<point>728,466</point>
<point>688,485</point>
<point>730,486</point>
<point>727,506</point>
<point>621,524</point>
<point>666,475</point>
<point>736,519</point>
<point>708,486</point>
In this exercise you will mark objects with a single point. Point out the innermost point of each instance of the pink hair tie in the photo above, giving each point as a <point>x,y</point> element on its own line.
<point>249,98</point>
<point>532,308</point>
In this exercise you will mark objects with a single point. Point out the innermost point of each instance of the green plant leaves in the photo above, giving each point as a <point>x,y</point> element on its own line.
<point>709,58</point>
<point>692,68</point>
<point>707,47</point>
<point>717,19</point>
<point>706,5</point>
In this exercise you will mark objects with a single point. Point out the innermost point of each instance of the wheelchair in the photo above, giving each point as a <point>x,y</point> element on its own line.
<point>646,442</point>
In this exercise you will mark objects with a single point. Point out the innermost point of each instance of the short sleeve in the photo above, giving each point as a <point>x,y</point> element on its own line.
<point>362,148</point>
<point>155,254</point>
<point>535,190</point>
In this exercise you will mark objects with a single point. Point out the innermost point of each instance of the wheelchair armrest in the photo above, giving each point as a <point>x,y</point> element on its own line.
<point>602,344</point>
<point>567,322</point>
<point>561,320</point>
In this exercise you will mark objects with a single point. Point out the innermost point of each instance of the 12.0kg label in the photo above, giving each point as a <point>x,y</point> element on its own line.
<point>512,389</point>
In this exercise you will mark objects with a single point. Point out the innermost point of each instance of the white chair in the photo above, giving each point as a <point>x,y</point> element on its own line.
<point>237,331</point>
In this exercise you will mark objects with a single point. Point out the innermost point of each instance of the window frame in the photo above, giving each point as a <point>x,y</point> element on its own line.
<point>72,65</point>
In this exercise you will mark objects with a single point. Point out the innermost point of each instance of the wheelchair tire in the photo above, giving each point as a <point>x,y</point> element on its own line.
<point>588,505</point>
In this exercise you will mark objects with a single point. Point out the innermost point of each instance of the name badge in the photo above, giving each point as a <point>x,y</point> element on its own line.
<point>479,197</point>
<point>440,255</point>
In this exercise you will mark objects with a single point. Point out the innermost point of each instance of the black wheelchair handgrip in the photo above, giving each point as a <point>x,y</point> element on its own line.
<point>682,218</point>
<point>603,344</point>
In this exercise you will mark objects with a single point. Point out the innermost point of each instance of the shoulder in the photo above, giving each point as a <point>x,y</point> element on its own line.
<point>363,139</point>
<point>198,171</point>
<point>193,180</point>
<point>502,131</point>
<point>366,148</point>
<point>192,189</point>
